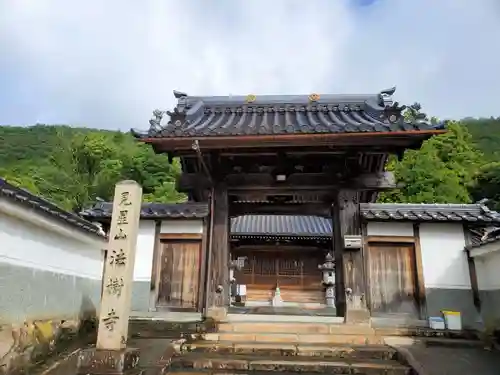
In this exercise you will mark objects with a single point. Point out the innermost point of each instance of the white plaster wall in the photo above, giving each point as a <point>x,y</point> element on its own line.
<point>375,228</point>
<point>182,226</point>
<point>443,257</point>
<point>48,269</point>
<point>488,271</point>
<point>144,251</point>
<point>24,244</point>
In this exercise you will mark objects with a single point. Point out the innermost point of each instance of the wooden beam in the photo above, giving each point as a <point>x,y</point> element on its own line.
<point>391,138</point>
<point>180,236</point>
<point>318,209</point>
<point>295,181</point>
<point>391,239</point>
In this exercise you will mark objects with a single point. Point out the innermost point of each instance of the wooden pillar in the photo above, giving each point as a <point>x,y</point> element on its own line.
<point>111,354</point>
<point>156,268</point>
<point>218,298</point>
<point>203,265</point>
<point>352,262</point>
<point>338,252</point>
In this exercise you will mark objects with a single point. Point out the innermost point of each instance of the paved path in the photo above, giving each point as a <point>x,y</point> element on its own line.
<point>437,360</point>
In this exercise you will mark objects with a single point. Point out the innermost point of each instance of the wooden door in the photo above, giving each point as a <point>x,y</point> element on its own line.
<point>179,275</point>
<point>392,279</point>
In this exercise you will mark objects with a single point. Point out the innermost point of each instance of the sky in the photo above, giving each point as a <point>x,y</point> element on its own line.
<point>109,64</point>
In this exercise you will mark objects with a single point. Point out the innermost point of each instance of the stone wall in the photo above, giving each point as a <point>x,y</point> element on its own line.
<point>24,346</point>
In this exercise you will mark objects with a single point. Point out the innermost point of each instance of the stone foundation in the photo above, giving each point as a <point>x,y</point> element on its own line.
<point>21,346</point>
<point>217,314</point>
<point>108,362</point>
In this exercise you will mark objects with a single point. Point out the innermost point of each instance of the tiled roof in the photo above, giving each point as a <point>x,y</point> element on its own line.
<point>483,236</point>
<point>45,207</point>
<point>281,225</point>
<point>247,225</point>
<point>204,116</point>
<point>474,213</point>
<point>190,210</point>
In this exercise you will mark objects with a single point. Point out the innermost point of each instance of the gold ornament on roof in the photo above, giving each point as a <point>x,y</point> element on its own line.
<point>250,98</point>
<point>314,97</point>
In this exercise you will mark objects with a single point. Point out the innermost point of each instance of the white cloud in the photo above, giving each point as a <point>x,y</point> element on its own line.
<point>109,63</point>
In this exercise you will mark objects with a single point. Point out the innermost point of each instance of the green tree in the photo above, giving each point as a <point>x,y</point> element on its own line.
<point>440,172</point>
<point>487,185</point>
<point>19,179</point>
<point>426,179</point>
<point>87,166</point>
<point>80,170</point>
<point>456,149</point>
<point>165,193</point>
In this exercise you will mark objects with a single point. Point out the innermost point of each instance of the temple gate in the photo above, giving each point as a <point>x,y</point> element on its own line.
<point>316,155</point>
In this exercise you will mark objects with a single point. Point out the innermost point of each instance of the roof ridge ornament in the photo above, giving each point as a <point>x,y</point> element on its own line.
<point>388,92</point>
<point>155,122</point>
<point>394,112</point>
<point>179,94</point>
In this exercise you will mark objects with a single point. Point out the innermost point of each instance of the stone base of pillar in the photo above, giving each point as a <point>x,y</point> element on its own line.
<point>356,310</point>
<point>357,316</point>
<point>218,314</point>
<point>108,362</point>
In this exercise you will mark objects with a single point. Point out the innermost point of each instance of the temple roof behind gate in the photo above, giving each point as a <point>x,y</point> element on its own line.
<point>212,116</point>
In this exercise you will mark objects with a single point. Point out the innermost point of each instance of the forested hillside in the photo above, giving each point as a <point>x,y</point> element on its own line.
<point>74,167</point>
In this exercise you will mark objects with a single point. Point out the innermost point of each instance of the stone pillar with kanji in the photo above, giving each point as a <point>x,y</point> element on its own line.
<point>111,355</point>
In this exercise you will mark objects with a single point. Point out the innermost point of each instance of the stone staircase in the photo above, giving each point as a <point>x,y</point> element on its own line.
<point>292,347</point>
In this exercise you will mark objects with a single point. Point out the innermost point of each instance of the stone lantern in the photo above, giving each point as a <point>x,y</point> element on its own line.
<point>328,269</point>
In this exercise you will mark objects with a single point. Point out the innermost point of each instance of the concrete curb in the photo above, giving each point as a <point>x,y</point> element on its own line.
<point>399,344</point>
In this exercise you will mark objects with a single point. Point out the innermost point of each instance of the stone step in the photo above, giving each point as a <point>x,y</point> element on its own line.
<point>217,362</point>
<point>283,318</point>
<point>341,351</point>
<point>425,332</point>
<point>295,327</point>
<point>292,338</point>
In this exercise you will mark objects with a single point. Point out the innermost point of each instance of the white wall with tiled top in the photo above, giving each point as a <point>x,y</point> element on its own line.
<point>48,268</point>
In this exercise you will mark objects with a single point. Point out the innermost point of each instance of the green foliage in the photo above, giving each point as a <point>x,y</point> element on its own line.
<point>487,185</point>
<point>442,171</point>
<point>74,167</point>
<point>485,134</point>
<point>426,179</point>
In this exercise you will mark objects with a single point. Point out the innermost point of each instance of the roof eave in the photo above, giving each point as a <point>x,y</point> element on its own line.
<point>423,220</point>
<point>185,143</point>
<point>281,236</point>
